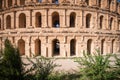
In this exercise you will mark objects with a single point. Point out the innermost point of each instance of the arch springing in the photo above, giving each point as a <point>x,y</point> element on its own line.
<point>72,19</point>
<point>55,20</point>
<point>22,20</point>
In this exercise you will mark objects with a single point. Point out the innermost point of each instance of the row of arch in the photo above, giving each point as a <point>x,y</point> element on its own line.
<point>56,20</point>
<point>56,47</point>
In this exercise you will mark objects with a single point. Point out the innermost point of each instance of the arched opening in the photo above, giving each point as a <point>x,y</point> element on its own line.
<point>72,47</point>
<point>9,3</point>
<point>87,2</point>
<point>99,3</point>
<point>21,46</point>
<point>8,22</point>
<point>89,46</point>
<point>55,1</point>
<point>103,46</point>
<point>0,4</point>
<point>72,19</point>
<point>39,1</point>
<point>111,24</point>
<point>113,46</point>
<point>0,24</point>
<point>37,47</point>
<point>38,19</point>
<point>55,20</point>
<point>110,4</point>
<point>22,2</point>
<point>88,20</point>
<point>56,47</point>
<point>101,22</point>
<point>22,20</point>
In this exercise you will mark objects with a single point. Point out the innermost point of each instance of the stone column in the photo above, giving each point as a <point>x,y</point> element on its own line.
<point>43,46</point>
<point>68,20</point>
<point>27,46</point>
<point>50,20</point>
<point>32,46</point>
<point>62,18</point>
<point>44,18</point>
<point>2,22</point>
<point>27,19</point>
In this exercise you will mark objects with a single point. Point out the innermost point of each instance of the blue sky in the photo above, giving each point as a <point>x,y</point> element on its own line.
<point>118,0</point>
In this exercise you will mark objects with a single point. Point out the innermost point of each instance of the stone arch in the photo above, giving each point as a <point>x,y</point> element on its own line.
<point>103,46</point>
<point>38,19</point>
<point>111,23</point>
<point>89,46</point>
<point>87,2</point>
<point>100,3</point>
<point>101,21</point>
<point>22,20</point>
<point>9,3</point>
<point>88,20</point>
<point>55,19</point>
<point>55,1</point>
<point>37,47</point>
<point>22,2</point>
<point>21,46</point>
<point>8,22</point>
<point>72,19</point>
<point>113,46</point>
<point>56,47</point>
<point>72,47</point>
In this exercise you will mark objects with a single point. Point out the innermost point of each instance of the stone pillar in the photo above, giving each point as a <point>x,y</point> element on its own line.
<point>2,22</point>
<point>62,18</point>
<point>50,20</point>
<point>43,46</point>
<point>14,19</point>
<point>27,46</point>
<point>68,20</point>
<point>27,19</point>
<point>44,18</point>
<point>32,46</point>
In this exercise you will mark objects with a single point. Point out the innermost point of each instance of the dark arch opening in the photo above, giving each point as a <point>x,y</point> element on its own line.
<point>89,45</point>
<point>8,22</point>
<point>88,20</point>
<point>102,46</point>
<point>37,47</point>
<point>101,22</point>
<point>21,46</point>
<point>72,19</point>
<point>55,20</point>
<point>56,47</point>
<point>9,3</point>
<point>38,19</point>
<point>72,47</point>
<point>22,20</point>
<point>22,2</point>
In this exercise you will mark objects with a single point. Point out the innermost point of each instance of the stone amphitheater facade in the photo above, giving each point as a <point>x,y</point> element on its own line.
<point>61,28</point>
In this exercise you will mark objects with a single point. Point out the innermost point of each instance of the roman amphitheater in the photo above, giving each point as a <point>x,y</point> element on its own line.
<point>60,28</point>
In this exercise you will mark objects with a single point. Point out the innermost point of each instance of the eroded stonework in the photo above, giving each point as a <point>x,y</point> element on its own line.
<point>61,28</point>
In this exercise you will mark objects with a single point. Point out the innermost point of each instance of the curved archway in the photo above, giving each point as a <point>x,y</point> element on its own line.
<point>113,46</point>
<point>0,4</point>
<point>103,46</point>
<point>111,23</point>
<point>88,20</point>
<point>38,19</point>
<point>101,22</point>
<point>8,22</point>
<point>55,20</point>
<point>37,47</point>
<point>89,46</point>
<point>87,2</point>
<point>100,3</point>
<point>56,47</point>
<point>22,2</point>
<point>72,19</point>
<point>72,47</point>
<point>21,46</point>
<point>22,20</point>
<point>9,3</point>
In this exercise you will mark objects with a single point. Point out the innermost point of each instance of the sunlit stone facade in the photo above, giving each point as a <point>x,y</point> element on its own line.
<point>61,28</point>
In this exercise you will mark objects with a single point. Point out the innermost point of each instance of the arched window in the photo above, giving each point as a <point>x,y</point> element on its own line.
<point>101,22</point>
<point>110,4</point>
<point>88,20</point>
<point>55,20</point>
<point>103,46</point>
<point>0,4</point>
<point>39,1</point>
<point>8,22</point>
<point>111,24</point>
<point>21,46</point>
<point>87,2</point>
<point>72,47</point>
<point>55,1</point>
<point>22,2</point>
<point>56,47</point>
<point>99,3</point>
<point>0,24</point>
<point>37,47</point>
<point>72,19</point>
<point>22,20</point>
<point>113,46</point>
<point>9,3</point>
<point>38,19</point>
<point>89,46</point>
